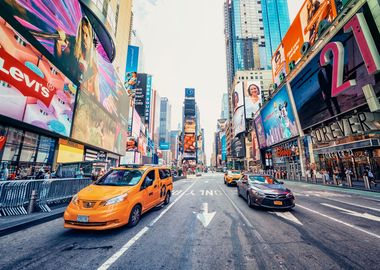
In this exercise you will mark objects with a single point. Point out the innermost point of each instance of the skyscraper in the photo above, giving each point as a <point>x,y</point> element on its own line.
<point>165,124</point>
<point>224,113</point>
<point>244,36</point>
<point>276,23</point>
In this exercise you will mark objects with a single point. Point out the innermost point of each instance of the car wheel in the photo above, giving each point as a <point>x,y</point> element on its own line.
<point>135,216</point>
<point>167,198</point>
<point>249,200</point>
<point>238,191</point>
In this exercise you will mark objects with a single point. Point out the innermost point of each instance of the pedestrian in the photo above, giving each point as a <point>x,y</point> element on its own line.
<point>4,173</point>
<point>40,174</point>
<point>371,177</point>
<point>47,174</point>
<point>80,173</point>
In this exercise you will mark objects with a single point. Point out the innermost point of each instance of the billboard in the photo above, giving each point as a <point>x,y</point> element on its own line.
<point>326,88</point>
<point>306,26</point>
<point>278,119</point>
<point>260,131</point>
<point>147,99</point>
<point>239,121</point>
<point>238,147</point>
<point>237,96</point>
<point>224,146</point>
<point>252,98</point>
<point>32,89</point>
<point>131,69</point>
<point>95,126</point>
<point>164,146</point>
<point>136,123</point>
<point>255,146</point>
<point>189,143</point>
<point>189,126</point>
<point>140,94</point>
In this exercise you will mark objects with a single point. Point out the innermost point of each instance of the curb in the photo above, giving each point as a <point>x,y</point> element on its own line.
<point>179,178</point>
<point>15,227</point>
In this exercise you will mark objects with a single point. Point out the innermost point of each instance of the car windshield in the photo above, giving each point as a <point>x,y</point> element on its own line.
<point>234,172</point>
<point>120,178</point>
<point>262,179</point>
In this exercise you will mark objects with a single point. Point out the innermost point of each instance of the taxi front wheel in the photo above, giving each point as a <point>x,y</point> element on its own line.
<point>135,216</point>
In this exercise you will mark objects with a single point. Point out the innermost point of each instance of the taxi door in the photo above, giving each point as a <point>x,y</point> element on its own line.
<point>150,190</point>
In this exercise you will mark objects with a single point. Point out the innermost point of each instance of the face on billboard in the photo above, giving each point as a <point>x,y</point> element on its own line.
<point>239,121</point>
<point>189,143</point>
<point>237,96</point>
<point>252,93</point>
<point>278,119</point>
<point>32,90</point>
<point>67,34</point>
<point>315,90</point>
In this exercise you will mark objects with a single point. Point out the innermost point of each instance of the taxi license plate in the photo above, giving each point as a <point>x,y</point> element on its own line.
<point>277,202</point>
<point>82,218</point>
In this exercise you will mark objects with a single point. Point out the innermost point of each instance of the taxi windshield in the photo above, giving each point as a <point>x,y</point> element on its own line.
<point>234,172</point>
<point>120,178</point>
<point>261,179</point>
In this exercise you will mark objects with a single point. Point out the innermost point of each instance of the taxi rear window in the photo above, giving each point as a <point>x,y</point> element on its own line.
<point>120,178</point>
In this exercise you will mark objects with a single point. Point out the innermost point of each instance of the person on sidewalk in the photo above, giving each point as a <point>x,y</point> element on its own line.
<point>371,177</point>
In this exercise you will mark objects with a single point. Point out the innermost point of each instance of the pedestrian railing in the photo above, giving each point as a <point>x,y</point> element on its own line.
<point>16,196</point>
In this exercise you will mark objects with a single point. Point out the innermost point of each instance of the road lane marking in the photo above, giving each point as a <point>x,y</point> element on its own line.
<point>204,216</point>
<point>339,221</point>
<point>353,213</point>
<point>358,205</point>
<point>123,249</point>
<point>288,216</point>
<point>255,232</point>
<point>134,239</point>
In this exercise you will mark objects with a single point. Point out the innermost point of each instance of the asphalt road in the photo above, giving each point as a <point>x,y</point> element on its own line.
<point>329,228</point>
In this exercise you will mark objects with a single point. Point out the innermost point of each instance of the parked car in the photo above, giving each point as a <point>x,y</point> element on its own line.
<point>120,197</point>
<point>230,177</point>
<point>265,191</point>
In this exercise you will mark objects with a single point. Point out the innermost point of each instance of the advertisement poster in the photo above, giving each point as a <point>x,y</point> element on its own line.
<point>32,90</point>
<point>278,64</point>
<point>312,87</point>
<point>189,126</point>
<point>189,143</point>
<point>136,123</point>
<point>189,92</point>
<point>237,96</point>
<point>238,147</point>
<point>278,119</point>
<point>224,147</point>
<point>239,121</point>
<point>311,17</point>
<point>252,97</point>
<point>255,146</point>
<point>260,131</point>
<point>140,94</point>
<point>131,69</point>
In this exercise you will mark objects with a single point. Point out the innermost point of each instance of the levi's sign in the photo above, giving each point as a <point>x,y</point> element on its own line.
<point>25,80</point>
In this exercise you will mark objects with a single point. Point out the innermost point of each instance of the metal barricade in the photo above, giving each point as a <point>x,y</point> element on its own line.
<point>15,195</point>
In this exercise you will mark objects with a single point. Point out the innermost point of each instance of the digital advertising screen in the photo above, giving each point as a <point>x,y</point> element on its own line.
<point>252,97</point>
<point>238,96</point>
<point>305,28</point>
<point>189,143</point>
<point>238,147</point>
<point>255,146</point>
<point>190,126</point>
<point>278,119</point>
<point>32,89</point>
<point>316,93</point>
<point>140,94</point>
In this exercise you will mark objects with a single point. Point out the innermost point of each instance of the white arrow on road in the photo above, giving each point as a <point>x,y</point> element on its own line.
<point>288,216</point>
<point>353,213</point>
<point>204,216</point>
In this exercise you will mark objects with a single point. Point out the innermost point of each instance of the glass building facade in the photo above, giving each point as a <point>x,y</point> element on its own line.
<point>276,24</point>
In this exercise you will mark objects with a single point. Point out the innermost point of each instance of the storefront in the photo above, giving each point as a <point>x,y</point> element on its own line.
<point>24,152</point>
<point>286,157</point>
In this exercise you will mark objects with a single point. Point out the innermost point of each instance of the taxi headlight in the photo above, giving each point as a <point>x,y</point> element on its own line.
<point>115,200</point>
<point>74,200</point>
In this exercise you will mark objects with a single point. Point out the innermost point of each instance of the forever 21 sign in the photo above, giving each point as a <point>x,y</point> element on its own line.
<point>356,124</point>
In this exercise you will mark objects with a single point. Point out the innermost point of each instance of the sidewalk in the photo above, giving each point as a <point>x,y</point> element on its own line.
<point>10,224</point>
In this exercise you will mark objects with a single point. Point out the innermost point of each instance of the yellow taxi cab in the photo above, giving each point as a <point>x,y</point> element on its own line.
<point>120,197</point>
<point>231,177</point>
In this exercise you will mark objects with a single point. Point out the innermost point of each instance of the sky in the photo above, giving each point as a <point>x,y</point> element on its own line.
<point>184,47</point>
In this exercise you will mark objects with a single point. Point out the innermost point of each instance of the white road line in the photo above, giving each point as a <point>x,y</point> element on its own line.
<point>257,234</point>
<point>358,205</point>
<point>124,248</point>
<point>339,221</point>
<point>288,216</point>
<point>353,213</point>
